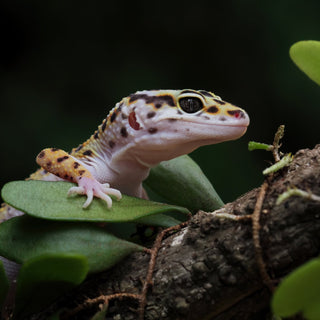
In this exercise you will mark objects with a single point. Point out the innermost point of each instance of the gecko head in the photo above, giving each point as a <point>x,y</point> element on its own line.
<point>176,122</point>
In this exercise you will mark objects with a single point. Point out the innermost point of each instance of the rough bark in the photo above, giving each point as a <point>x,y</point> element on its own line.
<point>208,270</point>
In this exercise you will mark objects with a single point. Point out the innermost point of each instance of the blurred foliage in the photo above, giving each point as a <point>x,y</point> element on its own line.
<point>299,292</point>
<point>306,55</point>
<point>65,64</point>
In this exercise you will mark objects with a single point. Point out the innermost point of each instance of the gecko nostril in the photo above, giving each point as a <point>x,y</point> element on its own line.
<point>238,114</point>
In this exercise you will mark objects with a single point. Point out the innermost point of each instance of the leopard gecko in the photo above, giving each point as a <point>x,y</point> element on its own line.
<point>142,130</point>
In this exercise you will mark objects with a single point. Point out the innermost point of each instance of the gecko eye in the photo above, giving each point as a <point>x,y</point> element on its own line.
<point>190,104</point>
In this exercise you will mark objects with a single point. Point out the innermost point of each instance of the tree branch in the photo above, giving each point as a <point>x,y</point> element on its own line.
<point>209,268</point>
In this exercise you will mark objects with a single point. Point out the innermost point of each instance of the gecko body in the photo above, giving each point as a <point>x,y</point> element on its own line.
<point>142,130</point>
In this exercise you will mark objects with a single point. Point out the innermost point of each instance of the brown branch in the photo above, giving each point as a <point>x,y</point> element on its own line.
<point>154,252</point>
<point>208,269</point>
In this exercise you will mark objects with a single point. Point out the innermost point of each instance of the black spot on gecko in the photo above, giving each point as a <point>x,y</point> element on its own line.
<point>66,177</point>
<point>81,172</point>
<point>79,148</point>
<point>212,109</point>
<point>158,101</point>
<point>54,149</point>
<point>104,124</point>
<point>136,96</point>
<point>124,132</point>
<point>111,144</point>
<point>113,116</point>
<point>76,165</point>
<point>124,116</point>
<point>219,101</point>
<point>152,130</point>
<point>48,164</point>
<point>96,134</point>
<point>41,154</point>
<point>87,153</point>
<point>206,93</point>
<point>172,120</point>
<point>62,158</point>
<point>151,114</point>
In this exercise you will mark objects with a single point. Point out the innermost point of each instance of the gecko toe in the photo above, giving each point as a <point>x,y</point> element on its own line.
<point>89,198</point>
<point>113,192</point>
<point>105,197</point>
<point>76,190</point>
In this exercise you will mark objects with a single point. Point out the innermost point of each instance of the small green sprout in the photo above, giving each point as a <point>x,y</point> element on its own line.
<point>253,145</point>
<point>296,192</point>
<point>285,161</point>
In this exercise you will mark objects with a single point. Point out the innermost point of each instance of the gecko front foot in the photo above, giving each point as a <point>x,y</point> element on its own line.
<point>93,188</point>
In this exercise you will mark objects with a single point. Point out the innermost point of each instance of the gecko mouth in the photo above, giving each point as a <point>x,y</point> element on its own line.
<point>222,123</point>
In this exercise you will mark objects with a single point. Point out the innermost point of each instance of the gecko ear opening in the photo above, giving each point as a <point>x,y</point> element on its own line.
<point>134,124</point>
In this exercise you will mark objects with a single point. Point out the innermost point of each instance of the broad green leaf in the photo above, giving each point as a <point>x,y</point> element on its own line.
<point>312,311</point>
<point>4,285</point>
<point>48,200</point>
<point>44,278</point>
<point>160,220</point>
<point>306,55</point>
<point>299,292</point>
<point>23,238</point>
<point>180,181</point>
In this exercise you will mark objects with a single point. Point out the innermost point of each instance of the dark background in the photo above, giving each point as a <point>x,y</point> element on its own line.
<point>64,64</point>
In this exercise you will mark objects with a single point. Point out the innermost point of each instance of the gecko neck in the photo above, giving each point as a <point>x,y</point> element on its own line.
<point>128,176</point>
<point>131,164</point>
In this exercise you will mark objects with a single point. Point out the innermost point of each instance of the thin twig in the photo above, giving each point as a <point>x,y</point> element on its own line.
<point>256,237</point>
<point>105,299</point>
<point>153,256</point>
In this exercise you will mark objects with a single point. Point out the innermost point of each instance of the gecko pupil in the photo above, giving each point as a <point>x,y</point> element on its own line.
<point>191,104</point>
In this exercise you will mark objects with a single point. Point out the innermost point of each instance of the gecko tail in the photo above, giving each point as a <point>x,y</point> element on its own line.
<point>7,212</point>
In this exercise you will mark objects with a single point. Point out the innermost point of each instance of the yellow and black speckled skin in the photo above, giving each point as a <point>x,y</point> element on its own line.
<point>61,164</point>
<point>142,130</point>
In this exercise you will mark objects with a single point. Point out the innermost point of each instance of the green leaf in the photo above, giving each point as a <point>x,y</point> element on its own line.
<point>23,238</point>
<point>4,285</point>
<point>48,200</point>
<point>299,292</point>
<point>44,278</point>
<point>160,220</point>
<point>306,55</point>
<point>253,145</point>
<point>180,181</point>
